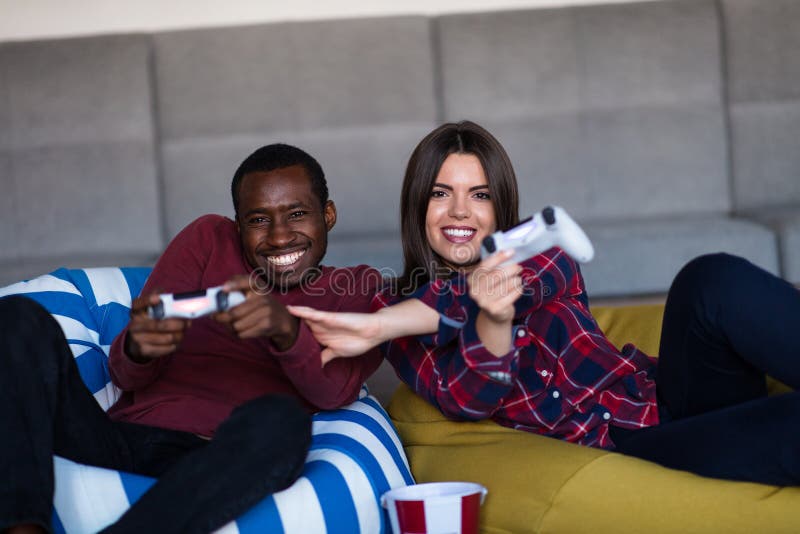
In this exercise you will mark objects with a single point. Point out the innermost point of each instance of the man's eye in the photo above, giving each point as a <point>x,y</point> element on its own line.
<point>255,221</point>
<point>297,214</point>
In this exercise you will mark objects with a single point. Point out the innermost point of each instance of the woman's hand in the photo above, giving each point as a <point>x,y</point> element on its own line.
<point>343,334</point>
<point>347,334</point>
<point>495,287</point>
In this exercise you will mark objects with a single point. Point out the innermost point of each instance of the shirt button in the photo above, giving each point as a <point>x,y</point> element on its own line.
<point>556,394</point>
<point>606,416</point>
<point>521,332</point>
<point>544,373</point>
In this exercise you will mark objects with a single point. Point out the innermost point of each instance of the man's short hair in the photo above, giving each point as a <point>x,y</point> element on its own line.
<point>278,156</point>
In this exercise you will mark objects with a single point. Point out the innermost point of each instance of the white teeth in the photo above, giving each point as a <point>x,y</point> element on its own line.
<point>458,232</point>
<point>286,259</point>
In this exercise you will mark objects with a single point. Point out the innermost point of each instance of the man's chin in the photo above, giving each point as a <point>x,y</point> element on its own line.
<point>270,278</point>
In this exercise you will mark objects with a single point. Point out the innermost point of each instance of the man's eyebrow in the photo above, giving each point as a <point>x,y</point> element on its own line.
<point>285,207</point>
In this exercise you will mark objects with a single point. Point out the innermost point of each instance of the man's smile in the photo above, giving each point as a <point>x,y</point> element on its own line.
<point>283,260</point>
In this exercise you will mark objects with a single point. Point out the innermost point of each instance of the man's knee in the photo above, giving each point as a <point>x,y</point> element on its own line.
<point>268,420</point>
<point>21,316</point>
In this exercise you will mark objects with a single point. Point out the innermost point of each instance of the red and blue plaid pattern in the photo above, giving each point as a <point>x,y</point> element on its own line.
<point>562,378</point>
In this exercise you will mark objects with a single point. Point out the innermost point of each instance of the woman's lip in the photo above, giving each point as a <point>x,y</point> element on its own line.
<point>465,235</point>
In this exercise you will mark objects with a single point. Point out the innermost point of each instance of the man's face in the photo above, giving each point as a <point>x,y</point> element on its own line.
<point>283,227</point>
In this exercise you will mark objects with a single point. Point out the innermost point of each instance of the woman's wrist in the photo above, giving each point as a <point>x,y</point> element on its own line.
<point>495,335</point>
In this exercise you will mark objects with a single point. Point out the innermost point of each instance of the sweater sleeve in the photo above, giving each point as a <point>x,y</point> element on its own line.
<point>340,380</point>
<point>180,268</point>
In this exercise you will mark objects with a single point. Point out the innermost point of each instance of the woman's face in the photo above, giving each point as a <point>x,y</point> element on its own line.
<point>460,212</point>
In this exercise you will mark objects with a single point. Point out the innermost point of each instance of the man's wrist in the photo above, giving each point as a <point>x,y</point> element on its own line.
<point>127,350</point>
<point>284,340</point>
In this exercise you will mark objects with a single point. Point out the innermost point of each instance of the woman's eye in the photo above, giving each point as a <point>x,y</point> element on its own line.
<point>438,193</point>
<point>483,195</point>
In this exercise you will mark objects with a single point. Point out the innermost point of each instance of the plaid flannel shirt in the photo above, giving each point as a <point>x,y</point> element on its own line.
<point>562,377</point>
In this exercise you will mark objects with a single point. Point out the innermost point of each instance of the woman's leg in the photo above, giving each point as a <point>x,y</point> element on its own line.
<point>260,449</point>
<point>756,441</point>
<point>726,324</point>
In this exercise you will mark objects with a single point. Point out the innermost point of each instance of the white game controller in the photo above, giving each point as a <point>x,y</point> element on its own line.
<point>195,303</point>
<point>551,227</point>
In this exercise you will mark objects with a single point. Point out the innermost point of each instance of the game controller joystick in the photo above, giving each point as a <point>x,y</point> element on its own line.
<point>551,227</point>
<point>194,303</point>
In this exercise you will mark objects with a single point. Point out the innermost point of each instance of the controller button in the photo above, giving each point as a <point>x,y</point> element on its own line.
<point>549,215</point>
<point>556,394</point>
<point>606,416</point>
<point>521,332</point>
<point>544,373</point>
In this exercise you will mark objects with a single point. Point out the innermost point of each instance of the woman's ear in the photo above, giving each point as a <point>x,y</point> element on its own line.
<point>330,215</point>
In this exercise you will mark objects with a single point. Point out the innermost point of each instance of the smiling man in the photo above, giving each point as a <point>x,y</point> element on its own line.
<point>217,407</point>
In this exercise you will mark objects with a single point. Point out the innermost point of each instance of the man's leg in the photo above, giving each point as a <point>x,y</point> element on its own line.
<point>44,408</point>
<point>260,449</point>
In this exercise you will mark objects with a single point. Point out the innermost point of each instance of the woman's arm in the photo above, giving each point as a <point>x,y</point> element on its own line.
<point>351,334</point>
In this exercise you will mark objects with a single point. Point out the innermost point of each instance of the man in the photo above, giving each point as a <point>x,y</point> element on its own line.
<point>210,406</point>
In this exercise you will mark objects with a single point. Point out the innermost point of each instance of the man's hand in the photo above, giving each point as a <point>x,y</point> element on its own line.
<point>259,315</point>
<point>150,338</point>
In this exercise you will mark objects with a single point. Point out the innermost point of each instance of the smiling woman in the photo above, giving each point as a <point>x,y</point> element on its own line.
<point>459,187</point>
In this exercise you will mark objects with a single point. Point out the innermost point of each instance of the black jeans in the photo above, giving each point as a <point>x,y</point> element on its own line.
<point>45,409</point>
<point>726,324</point>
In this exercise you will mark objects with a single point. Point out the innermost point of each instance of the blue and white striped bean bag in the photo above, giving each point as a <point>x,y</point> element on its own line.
<point>355,454</point>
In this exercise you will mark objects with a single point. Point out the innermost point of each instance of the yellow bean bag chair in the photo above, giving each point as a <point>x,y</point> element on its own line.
<point>539,484</point>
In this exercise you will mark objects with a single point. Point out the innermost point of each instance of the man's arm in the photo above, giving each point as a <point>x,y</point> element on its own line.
<point>142,348</point>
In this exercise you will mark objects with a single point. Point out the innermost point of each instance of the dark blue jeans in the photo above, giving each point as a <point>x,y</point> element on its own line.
<point>727,323</point>
<point>45,409</point>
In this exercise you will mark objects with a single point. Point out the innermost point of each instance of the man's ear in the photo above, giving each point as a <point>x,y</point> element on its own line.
<point>330,214</point>
<point>236,223</point>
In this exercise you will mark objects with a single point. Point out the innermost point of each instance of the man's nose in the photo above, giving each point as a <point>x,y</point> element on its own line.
<point>280,235</point>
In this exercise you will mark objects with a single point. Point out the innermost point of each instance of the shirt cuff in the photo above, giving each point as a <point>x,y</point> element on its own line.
<point>501,369</point>
<point>303,350</point>
<point>451,302</point>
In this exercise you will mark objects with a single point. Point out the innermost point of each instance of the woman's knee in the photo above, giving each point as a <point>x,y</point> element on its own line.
<point>719,273</point>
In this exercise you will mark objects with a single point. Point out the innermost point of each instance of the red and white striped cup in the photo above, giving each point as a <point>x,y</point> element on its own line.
<point>435,508</point>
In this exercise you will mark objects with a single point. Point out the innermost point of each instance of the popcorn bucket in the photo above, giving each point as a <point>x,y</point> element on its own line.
<point>435,508</point>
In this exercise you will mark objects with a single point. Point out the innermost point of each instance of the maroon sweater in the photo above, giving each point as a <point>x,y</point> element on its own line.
<point>195,388</point>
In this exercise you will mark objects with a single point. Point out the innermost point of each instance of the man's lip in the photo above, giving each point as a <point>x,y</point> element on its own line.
<point>458,239</point>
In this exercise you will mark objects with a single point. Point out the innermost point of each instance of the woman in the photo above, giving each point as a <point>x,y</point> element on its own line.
<point>518,344</point>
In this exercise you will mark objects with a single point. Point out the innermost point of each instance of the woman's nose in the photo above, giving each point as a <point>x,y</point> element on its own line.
<point>459,208</point>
